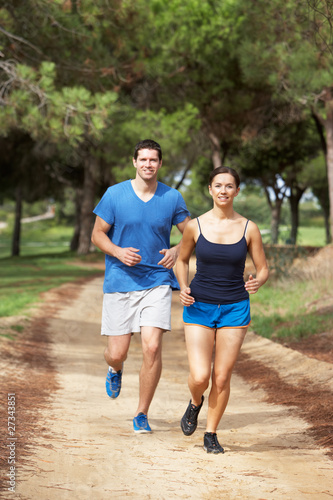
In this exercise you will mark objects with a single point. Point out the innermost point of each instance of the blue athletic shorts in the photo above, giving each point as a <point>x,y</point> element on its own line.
<point>218,315</point>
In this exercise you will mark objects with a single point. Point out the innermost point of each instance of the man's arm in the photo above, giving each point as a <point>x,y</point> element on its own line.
<point>100,239</point>
<point>171,254</point>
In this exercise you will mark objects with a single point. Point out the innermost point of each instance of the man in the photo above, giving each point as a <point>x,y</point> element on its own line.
<point>133,225</point>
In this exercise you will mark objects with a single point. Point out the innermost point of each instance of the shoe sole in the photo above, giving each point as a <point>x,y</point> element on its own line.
<point>215,452</point>
<point>113,397</point>
<point>142,431</point>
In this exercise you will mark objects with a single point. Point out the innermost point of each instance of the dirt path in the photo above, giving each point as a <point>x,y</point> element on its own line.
<point>88,450</point>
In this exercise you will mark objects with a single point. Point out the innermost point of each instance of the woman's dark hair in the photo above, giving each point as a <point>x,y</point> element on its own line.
<point>147,144</point>
<point>224,170</point>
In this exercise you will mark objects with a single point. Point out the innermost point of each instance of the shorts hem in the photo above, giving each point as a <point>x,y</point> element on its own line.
<point>166,328</point>
<point>154,325</point>
<point>114,334</point>
<point>217,327</point>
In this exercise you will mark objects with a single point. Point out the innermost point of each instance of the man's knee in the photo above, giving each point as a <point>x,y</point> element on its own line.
<point>116,350</point>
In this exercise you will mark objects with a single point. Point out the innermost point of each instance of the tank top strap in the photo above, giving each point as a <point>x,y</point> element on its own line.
<point>199,225</point>
<point>245,227</point>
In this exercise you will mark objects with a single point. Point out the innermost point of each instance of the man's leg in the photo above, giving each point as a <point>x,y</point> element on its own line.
<point>115,354</point>
<point>116,350</point>
<point>151,369</point>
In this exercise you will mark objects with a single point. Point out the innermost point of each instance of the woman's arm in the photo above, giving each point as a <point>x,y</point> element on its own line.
<point>182,267</point>
<point>257,253</point>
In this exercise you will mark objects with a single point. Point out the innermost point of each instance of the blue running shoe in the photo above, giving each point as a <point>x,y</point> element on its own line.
<point>140,424</point>
<point>113,383</point>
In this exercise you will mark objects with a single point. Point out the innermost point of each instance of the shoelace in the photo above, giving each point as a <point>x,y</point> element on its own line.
<point>193,411</point>
<point>115,379</point>
<point>213,441</point>
<point>142,419</point>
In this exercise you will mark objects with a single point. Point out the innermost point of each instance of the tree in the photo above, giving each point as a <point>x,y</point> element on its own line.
<point>276,159</point>
<point>22,162</point>
<point>316,174</point>
<point>191,57</point>
<point>288,45</point>
<point>60,68</point>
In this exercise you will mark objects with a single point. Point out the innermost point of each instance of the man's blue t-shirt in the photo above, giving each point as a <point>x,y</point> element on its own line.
<point>143,225</point>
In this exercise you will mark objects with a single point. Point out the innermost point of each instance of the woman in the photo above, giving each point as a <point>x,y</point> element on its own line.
<point>216,304</point>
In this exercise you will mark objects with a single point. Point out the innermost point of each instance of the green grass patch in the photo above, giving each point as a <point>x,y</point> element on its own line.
<point>282,311</point>
<point>38,238</point>
<point>23,279</point>
<point>307,235</point>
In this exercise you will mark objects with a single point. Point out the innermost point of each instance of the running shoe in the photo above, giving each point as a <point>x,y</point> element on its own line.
<point>140,424</point>
<point>211,444</point>
<point>189,421</point>
<point>113,383</point>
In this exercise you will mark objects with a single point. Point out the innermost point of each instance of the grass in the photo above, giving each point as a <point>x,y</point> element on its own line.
<point>42,237</point>
<point>307,236</point>
<point>23,279</point>
<point>287,309</point>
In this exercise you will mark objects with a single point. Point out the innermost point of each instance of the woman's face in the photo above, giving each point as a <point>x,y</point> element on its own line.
<point>223,189</point>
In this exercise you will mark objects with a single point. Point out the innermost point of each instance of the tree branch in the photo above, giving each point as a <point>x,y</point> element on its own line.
<point>21,40</point>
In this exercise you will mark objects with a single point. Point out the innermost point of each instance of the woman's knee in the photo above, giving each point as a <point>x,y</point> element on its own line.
<point>222,380</point>
<point>200,379</point>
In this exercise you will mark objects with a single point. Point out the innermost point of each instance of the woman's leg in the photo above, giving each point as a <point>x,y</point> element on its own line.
<point>228,344</point>
<point>199,345</point>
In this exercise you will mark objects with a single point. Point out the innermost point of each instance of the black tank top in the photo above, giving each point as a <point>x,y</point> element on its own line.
<point>220,269</point>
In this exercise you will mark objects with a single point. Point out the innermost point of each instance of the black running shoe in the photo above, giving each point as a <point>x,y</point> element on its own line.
<point>189,421</point>
<point>211,444</point>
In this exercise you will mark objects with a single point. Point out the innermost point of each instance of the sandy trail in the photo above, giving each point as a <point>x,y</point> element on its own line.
<point>92,451</point>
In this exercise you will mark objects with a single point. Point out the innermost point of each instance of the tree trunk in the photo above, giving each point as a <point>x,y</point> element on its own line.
<point>327,226</point>
<point>275,222</point>
<point>17,223</point>
<point>216,150</point>
<point>275,207</point>
<point>327,123</point>
<point>76,236</point>
<point>296,194</point>
<point>329,160</point>
<point>87,205</point>
<point>322,195</point>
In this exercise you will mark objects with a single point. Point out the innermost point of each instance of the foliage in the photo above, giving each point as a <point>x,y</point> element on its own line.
<point>86,78</point>
<point>174,131</point>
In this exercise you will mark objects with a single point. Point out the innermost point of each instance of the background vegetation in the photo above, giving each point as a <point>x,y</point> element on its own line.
<point>215,82</point>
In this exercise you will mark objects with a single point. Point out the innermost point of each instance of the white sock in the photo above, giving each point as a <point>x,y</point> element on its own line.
<point>112,370</point>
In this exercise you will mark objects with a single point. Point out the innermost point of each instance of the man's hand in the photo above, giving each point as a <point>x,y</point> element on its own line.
<point>169,259</point>
<point>128,256</point>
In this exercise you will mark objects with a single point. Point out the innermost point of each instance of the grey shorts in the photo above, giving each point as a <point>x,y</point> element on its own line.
<point>127,312</point>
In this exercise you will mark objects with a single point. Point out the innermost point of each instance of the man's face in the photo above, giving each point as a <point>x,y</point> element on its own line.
<point>147,164</point>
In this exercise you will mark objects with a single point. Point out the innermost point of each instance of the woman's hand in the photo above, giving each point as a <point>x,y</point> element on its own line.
<point>185,297</point>
<point>252,285</point>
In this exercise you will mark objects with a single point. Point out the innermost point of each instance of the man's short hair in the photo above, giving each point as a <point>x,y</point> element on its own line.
<point>147,144</point>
